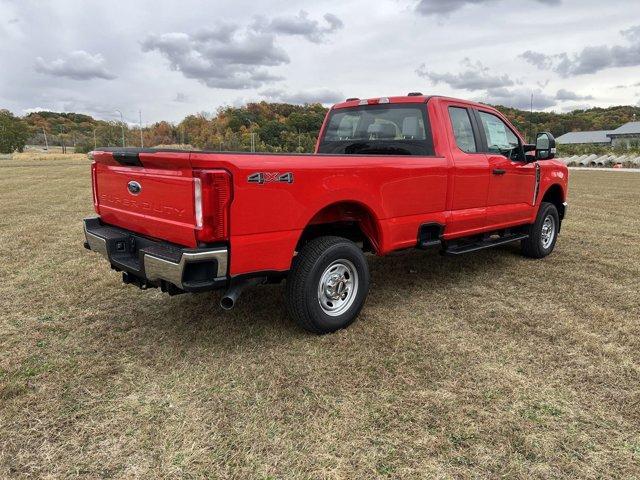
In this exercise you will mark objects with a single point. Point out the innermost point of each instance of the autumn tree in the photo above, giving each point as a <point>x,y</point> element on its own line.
<point>13,133</point>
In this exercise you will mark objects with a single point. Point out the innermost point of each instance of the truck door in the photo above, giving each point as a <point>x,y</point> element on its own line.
<point>470,182</point>
<point>512,179</point>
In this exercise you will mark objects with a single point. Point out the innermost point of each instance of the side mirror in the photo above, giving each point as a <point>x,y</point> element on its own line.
<point>545,146</point>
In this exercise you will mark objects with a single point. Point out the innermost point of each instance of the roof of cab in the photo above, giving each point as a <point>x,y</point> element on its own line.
<point>402,99</point>
<point>376,101</point>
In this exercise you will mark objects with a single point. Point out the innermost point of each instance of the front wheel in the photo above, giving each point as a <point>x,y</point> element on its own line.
<point>327,285</point>
<point>543,233</point>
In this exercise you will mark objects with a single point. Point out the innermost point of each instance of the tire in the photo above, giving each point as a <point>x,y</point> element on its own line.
<point>327,285</point>
<point>541,240</point>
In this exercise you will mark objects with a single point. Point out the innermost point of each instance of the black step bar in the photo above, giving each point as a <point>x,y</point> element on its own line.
<point>460,248</point>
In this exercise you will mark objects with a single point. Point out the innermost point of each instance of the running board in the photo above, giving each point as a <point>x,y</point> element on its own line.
<point>481,245</point>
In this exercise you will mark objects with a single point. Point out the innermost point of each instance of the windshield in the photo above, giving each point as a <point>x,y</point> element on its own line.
<point>378,130</point>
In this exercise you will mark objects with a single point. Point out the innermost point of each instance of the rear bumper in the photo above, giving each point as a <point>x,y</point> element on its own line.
<point>154,263</point>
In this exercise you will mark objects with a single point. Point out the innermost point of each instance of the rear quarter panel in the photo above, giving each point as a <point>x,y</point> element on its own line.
<point>267,219</point>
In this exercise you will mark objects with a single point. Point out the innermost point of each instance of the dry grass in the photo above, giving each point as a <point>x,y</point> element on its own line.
<point>35,156</point>
<point>482,366</point>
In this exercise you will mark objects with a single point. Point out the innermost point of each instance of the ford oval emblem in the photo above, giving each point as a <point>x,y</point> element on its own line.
<point>134,187</point>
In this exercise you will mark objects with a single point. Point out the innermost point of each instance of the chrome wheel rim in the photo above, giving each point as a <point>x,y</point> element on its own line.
<point>338,287</point>
<point>548,231</point>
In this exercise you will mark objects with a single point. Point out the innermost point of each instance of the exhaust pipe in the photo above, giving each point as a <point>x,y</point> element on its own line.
<point>230,297</point>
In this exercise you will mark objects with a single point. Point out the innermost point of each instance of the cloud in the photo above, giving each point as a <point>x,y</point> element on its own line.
<point>27,111</point>
<point>78,65</point>
<point>619,87</point>
<point>181,97</point>
<point>222,57</point>
<point>445,7</point>
<point>518,98</point>
<point>323,95</point>
<point>540,60</point>
<point>564,95</point>
<point>300,25</point>
<point>577,106</point>
<point>591,59</point>
<point>632,34</point>
<point>230,57</point>
<point>475,77</point>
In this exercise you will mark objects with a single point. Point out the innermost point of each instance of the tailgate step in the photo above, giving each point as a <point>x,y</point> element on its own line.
<point>460,248</point>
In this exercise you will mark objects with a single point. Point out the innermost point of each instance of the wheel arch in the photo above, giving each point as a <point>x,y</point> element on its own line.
<point>555,194</point>
<point>346,218</point>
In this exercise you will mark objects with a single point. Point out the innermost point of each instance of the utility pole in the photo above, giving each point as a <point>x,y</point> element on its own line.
<point>121,125</point>
<point>531,118</point>
<point>95,143</point>
<point>64,147</point>
<point>141,139</point>
<point>252,135</point>
<point>46,143</point>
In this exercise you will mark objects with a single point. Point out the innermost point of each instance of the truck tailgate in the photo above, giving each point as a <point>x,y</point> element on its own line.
<point>151,193</point>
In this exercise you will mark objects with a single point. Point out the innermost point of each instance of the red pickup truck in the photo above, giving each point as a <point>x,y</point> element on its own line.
<point>388,174</point>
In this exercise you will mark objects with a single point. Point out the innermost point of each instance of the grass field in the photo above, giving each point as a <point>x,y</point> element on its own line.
<point>475,367</point>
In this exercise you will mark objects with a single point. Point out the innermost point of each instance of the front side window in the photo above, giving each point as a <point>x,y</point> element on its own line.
<point>462,130</point>
<point>378,130</point>
<point>500,138</point>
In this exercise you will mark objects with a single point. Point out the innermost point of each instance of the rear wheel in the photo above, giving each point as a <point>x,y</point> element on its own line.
<point>327,285</point>
<point>543,233</point>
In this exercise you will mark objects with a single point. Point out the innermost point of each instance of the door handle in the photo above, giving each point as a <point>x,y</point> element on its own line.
<point>499,171</point>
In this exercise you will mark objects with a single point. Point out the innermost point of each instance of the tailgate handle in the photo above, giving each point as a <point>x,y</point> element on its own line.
<point>130,159</point>
<point>499,171</point>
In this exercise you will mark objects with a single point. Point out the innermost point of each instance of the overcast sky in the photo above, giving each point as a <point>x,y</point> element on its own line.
<point>173,58</point>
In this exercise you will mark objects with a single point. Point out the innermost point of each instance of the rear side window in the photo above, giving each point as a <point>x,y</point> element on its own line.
<point>401,129</point>
<point>462,129</point>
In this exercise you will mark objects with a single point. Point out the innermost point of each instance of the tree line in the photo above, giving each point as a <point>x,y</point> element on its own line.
<point>261,126</point>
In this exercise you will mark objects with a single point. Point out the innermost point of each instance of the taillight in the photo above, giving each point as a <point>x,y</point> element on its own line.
<point>212,198</point>
<point>94,185</point>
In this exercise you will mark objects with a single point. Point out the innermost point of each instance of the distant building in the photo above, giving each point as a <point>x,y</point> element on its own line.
<point>598,137</point>
<point>628,135</point>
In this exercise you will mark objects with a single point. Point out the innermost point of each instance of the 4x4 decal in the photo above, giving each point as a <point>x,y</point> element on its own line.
<point>270,177</point>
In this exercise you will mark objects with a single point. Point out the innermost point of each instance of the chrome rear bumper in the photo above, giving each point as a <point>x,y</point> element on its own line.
<point>153,262</point>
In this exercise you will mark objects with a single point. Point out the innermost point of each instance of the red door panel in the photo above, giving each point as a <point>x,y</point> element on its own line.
<point>470,171</point>
<point>512,180</point>
<point>510,193</point>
